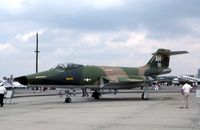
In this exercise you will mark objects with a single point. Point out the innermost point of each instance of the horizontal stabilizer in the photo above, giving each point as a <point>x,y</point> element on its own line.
<point>169,52</point>
<point>178,52</point>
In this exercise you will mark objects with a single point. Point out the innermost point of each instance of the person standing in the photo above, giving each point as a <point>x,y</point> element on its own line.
<point>186,89</point>
<point>156,86</point>
<point>2,92</point>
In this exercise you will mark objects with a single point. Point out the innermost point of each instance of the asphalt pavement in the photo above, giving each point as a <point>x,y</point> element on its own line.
<point>125,111</point>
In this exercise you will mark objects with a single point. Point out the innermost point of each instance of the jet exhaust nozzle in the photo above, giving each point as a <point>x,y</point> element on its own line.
<point>166,71</point>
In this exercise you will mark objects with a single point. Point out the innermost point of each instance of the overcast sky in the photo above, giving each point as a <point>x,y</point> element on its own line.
<point>97,32</point>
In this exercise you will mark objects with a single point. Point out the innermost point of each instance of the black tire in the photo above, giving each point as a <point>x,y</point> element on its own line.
<point>68,100</point>
<point>96,97</point>
<point>143,97</point>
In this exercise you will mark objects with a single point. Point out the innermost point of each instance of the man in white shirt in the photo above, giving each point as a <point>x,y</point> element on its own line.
<point>2,92</point>
<point>186,89</point>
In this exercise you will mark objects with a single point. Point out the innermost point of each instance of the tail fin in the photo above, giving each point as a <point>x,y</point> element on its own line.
<point>161,58</point>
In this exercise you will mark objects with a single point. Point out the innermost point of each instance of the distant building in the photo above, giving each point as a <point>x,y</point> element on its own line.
<point>198,75</point>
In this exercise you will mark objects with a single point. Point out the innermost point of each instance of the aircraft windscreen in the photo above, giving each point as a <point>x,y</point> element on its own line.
<point>60,67</point>
<point>72,65</point>
<point>67,66</point>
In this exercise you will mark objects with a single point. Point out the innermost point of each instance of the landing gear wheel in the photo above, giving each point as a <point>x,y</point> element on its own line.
<point>96,95</point>
<point>68,100</point>
<point>144,96</point>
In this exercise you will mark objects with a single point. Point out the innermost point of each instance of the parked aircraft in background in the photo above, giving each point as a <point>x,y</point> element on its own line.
<point>176,80</point>
<point>188,79</point>
<point>9,84</point>
<point>168,80</point>
<point>102,77</point>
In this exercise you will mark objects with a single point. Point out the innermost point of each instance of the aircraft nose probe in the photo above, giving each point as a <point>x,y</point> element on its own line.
<point>22,80</point>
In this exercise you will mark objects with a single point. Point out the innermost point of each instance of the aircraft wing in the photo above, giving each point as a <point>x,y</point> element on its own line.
<point>130,80</point>
<point>121,80</point>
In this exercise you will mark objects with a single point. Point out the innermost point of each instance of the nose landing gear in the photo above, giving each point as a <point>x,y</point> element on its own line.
<point>68,99</point>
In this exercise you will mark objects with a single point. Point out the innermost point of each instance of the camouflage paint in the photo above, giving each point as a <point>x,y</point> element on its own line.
<point>90,75</point>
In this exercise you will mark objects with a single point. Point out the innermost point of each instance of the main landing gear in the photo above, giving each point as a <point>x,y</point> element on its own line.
<point>145,94</point>
<point>96,94</point>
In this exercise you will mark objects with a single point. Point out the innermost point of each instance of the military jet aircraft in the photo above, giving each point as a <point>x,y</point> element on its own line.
<point>188,78</point>
<point>102,77</point>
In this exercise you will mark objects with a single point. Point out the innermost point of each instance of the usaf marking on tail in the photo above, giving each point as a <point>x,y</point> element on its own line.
<point>103,77</point>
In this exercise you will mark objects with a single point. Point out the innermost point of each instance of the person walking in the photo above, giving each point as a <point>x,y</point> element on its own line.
<point>2,92</point>
<point>186,89</point>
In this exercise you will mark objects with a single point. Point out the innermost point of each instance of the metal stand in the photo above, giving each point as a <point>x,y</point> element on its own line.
<point>9,95</point>
<point>198,96</point>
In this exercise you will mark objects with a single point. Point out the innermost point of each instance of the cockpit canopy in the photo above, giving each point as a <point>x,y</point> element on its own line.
<point>67,66</point>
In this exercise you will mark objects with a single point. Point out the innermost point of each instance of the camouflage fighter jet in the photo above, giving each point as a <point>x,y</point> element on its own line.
<point>102,77</point>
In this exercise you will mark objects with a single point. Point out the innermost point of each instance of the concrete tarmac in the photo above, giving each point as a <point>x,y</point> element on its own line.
<point>124,111</point>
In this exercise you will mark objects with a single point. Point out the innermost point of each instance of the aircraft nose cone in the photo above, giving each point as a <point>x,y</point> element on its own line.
<point>22,80</point>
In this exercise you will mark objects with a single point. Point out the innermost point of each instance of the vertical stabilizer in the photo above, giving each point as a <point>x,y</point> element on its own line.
<point>161,58</point>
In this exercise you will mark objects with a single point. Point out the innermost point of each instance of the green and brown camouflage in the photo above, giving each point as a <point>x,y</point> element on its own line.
<point>77,76</point>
